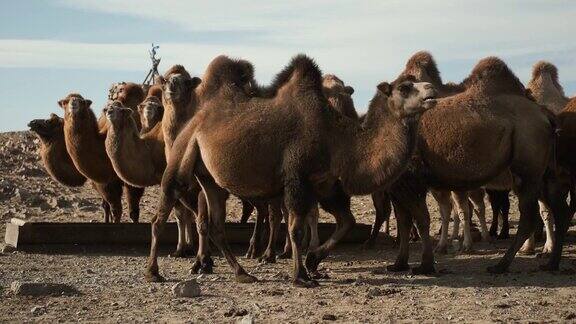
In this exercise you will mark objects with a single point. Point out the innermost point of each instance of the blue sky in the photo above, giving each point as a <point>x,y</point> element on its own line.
<point>51,48</point>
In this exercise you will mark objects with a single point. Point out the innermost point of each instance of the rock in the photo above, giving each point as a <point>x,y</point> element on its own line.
<point>38,310</point>
<point>328,317</point>
<point>374,292</point>
<point>248,319</point>
<point>187,288</point>
<point>42,289</point>
<point>152,289</point>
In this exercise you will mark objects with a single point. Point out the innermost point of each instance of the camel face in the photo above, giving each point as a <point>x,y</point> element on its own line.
<point>179,87</point>
<point>333,84</point>
<point>118,115</point>
<point>409,98</point>
<point>47,128</point>
<point>74,105</point>
<point>150,112</point>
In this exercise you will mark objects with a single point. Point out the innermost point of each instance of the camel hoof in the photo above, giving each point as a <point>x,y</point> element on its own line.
<point>305,283</point>
<point>182,253</point>
<point>312,262</point>
<point>549,267</point>
<point>154,277</point>
<point>285,255</point>
<point>441,249</point>
<point>251,253</point>
<point>543,255</point>
<point>527,252</point>
<point>423,270</point>
<point>496,269</point>
<point>398,267</point>
<point>368,245</point>
<point>267,258</point>
<point>319,275</point>
<point>245,278</point>
<point>202,266</point>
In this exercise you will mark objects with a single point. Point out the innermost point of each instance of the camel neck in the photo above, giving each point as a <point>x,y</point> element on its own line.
<point>375,155</point>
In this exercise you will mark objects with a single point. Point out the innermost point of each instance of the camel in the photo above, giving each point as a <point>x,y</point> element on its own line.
<point>55,158</point>
<point>546,90</point>
<point>131,95</point>
<point>85,145</point>
<point>312,154</point>
<point>490,128</point>
<point>150,113</point>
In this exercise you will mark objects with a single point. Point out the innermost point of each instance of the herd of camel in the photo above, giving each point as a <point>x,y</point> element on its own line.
<point>287,148</point>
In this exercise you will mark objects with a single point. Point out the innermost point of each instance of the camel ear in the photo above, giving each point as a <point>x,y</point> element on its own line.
<point>196,81</point>
<point>54,116</point>
<point>159,80</point>
<point>63,102</point>
<point>349,90</point>
<point>88,102</point>
<point>385,88</point>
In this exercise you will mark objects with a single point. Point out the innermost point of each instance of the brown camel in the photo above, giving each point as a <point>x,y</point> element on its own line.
<point>85,145</point>
<point>150,112</point>
<point>470,138</point>
<point>311,153</point>
<point>130,95</point>
<point>53,152</point>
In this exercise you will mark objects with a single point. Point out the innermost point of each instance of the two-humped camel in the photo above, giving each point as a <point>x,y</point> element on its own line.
<point>466,141</point>
<point>290,144</point>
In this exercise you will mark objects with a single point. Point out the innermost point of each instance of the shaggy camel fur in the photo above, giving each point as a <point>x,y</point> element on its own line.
<point>53,152</point>
<point>85,145</point>
<point>312,153</point>
<point>495,125</point>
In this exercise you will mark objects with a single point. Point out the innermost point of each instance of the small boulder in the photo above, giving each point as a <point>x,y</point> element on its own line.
<point>187,288</point>
<point>42,289</point>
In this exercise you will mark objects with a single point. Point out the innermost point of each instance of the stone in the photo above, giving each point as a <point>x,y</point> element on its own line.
<point>188,288</point>
<point>248,319</point>
<point>42,289</point>
<point>328,317</point>
<point>38,310</point>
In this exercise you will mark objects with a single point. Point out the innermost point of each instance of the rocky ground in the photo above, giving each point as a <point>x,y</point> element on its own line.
<point>106,283</point>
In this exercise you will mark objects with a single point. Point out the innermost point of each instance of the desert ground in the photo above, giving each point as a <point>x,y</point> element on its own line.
<point>112,289</point>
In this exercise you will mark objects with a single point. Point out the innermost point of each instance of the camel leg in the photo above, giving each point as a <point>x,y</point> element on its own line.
<point>554,195</point>
<point>106,208</point>
<point>216,200</point>
<point>247,209</point>
<point>275,218</point>
<point>383,208</point>
<point>422,221</point>
<point>464,208</point>
<point>477,199</point>
<point>287,251</point>
<point>312,220</point>
<point>254,247</point>
<point>167,202</point>
<point>404,223</point>
<point>183,220</point>
<point>203,262</point>
<point>444,201</point>
<point>112,194</point>
<point>548,220</point>
<point>134,195</point>
<point>528,205</point>
<point>455,238</point>
<point>338,204</point>
<point>505,211</point>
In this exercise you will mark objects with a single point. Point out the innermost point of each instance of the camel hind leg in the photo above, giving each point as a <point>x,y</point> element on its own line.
<point>477,199</point>
<point>134,195</point>
<point>166,204</point>
<point>261,215</point>
<point>383,208</point>
<point>275,218</point>
<point>185,246</point>
<point>216,199</point>
<point>337,204</point>
<point>444,201</point>
<point>112,194</point>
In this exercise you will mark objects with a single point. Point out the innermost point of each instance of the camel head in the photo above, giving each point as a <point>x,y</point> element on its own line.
<point>74,105</point>
<point>408,98</point>
<point>332,85</point>
<point>118,115</point>
<point>150,111</point>
<point>179,87</point>
<point>47,129</point>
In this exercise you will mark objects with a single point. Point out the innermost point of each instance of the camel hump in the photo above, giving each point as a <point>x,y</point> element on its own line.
<point>423,60</point>
<point>493,74</point>
<point>304,68</point>
<point>544,67</point>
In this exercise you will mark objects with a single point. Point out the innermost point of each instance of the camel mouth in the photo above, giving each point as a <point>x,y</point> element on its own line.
<point>429,102</point>
<point>38,127</point>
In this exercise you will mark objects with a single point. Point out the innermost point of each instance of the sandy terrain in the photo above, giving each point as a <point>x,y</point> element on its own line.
<point>112,289</point>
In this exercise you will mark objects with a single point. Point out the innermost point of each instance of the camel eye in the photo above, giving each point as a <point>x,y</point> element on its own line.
<point>405,88</point>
